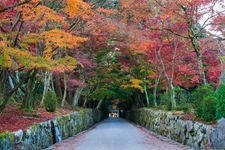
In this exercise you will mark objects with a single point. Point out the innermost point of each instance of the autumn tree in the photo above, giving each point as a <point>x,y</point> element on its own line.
<point>47,50</point>
<point>187,16</point>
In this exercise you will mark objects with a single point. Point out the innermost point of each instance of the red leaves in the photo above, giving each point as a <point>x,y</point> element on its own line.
<point>195,79</point>
<point>73,83</point>
<point>213,75</point>
<point>12,118</point>
<point>184,69</point>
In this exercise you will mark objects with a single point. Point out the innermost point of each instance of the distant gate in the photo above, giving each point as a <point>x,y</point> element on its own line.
<point>114,114</point>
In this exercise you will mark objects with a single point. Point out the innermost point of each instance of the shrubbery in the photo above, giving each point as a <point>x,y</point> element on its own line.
<point>201,92</point>
<point>50,102</point>
<point>208,108</point>
<point>204,102</point>
<point>220,106</point>
<point>207,104</point>
<point>165,101</point>
<point>151,102</point>
<point>186,107</point>
<point>182,100</point>
<point>180,96</point>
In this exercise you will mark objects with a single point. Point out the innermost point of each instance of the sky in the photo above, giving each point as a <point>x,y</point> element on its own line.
<point>217,8</point>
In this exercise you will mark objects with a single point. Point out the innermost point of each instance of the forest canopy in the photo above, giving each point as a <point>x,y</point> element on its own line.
<point>91,53</point>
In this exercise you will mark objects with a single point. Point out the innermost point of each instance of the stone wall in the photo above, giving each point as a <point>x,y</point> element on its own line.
<point>194,134</point>
<point>43,135</point>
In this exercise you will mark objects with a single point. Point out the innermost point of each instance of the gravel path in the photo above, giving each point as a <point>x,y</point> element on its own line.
<point>117,134</point>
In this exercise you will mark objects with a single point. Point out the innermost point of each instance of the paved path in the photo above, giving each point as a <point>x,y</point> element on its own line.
<point>117,134</point>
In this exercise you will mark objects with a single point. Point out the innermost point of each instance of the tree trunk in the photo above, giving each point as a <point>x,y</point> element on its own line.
<point>65,90</point>
<point>76,96</point>
<point>85,102</point>
<point>99,104</point>
<point>172,96</point>
<point>222,78</point>
<point>47,80</point>
<point>197,48</point>
<point>10,93</point>
<point>52,82</point>
<point>58,87</point>
<point>3,79</point>
<point>11,82</point>
<point>16,21</point>
<point>14,80</point>
<point>201,69</point>
<point>155,91</point>
<point>169,80</point>
<point>45,88</point>
<point>28,101</point>
<point>146,94</point>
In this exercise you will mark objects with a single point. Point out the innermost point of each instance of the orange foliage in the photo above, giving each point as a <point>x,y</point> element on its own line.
<point>40,15</point>
<point>60,39</point>
<point>141,46</point>
<point>15,58</point>
<point>135,10</point>
<point>77,8</point>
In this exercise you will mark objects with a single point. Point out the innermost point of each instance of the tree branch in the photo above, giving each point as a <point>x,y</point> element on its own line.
<point>13,6</point>
<point>171,31</point>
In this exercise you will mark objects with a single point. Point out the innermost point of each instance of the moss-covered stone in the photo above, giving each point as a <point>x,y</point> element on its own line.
<point>6,140</point>
<point>43,135</point>
<point>172,126</point>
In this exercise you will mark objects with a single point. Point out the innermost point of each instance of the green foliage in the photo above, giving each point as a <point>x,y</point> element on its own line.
<point>185,107</point>
<point>165,101</point>
<point>208,109</point>
<point>1,61</point>
<point>13,100</point>
<point>180,96</point>
<point>201,92</point>
<point>1,100</point>
<point>6,135</point>
<point>102,93</point>
<point>50,102</point>
<point>182,100</point>
<point>204,102</point>
<point>111,92</point>
<point>151,102</point>
<point>220,106</point>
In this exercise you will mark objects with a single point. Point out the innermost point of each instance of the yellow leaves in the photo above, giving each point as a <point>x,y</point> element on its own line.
<point>40,15</point>
<point>134,83</point>
<point>5,60</point>
<point>48,53</point>
<point>15,58</point>
<point>222,58</point>
<point>76,7</point>
<point>36,1</point>
<point>31,38</point>
<point>62,39</point>
<point>66,63</point>
<point>36,19</point>
<point>7,63</point>
<point>18,59</point>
